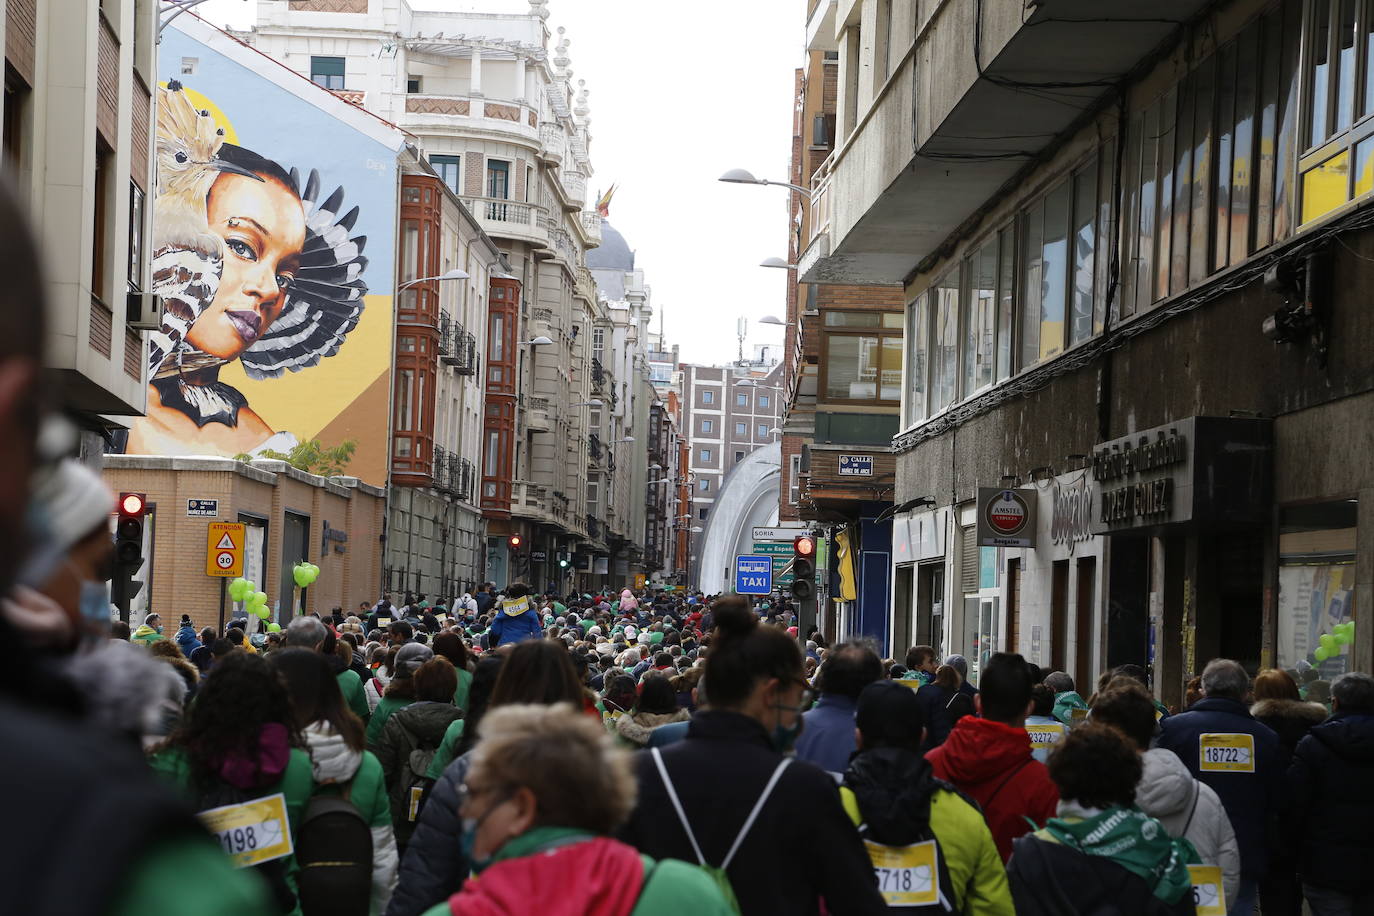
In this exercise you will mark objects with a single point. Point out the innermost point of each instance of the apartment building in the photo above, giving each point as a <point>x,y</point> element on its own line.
<point>1134,328</point>
<point>843,366</point>
<point>449,268</point>
<point>76,138</point>
<point>727,413</point>
<point>490,100</point>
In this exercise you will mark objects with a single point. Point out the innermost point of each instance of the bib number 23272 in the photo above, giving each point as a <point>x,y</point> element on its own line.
<point>1226,752</point>
<point>251,832</point>
<point>907,875</point>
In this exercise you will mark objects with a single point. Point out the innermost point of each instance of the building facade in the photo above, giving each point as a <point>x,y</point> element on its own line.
<point>77,141</point>
<point>499,120</point>
<point>1136,314</point>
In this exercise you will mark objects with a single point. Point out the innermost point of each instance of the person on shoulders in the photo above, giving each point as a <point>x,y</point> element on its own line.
<point>1100,854</point>
<point>516,617</point>
<point>1223,746</point>
<point>1188,809</point>
<point>899,806</point>
<point>726,796</point>
<point>988,757</point>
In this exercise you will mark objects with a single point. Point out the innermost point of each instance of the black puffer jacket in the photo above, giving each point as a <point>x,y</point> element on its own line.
<point>1331,790</point>
<point>893,789</point>
<point>433,867</point>
<point>1050,879</point>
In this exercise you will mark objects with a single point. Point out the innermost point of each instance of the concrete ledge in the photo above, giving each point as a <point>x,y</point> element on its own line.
<point>262,470</point>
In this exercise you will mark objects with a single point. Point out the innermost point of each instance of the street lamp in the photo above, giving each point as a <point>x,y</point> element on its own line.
<point>774,319</point>
<point>592,403</point>
<point>742,176</point>
<point>776,262</point>
<point>626,439</point>
<point>455,274</point>
<point>540,341</point>
<point>750,383</point>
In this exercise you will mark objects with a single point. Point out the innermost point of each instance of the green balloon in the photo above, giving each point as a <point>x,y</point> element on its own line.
<point>257,599</point>
<point>1343,638</point>
<point>238,588</point>
<point>1328,642</point>
<point>274,628</point>
<point>263,612</point>
<point>301,573</point>
<point>1320,655</point>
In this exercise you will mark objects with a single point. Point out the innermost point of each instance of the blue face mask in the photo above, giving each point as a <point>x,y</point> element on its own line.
<point>95,603</point>
<point>783,738</point>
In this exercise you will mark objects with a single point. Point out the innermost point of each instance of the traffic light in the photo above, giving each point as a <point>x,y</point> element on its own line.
<point>128,550</point>
<point>803,567</point>
<point>562,561</point>
<point>515,541</point>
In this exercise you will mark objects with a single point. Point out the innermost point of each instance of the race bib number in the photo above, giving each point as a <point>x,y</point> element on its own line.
<point>514,607</point>
<point>417,795</point>
<point>1044,736</point>
<point>907,875</point>
<point>252,832</point>
<point>1209,895</point>
<point>1226,752</point>
<point>1078,714</point>
<point>383,622</point>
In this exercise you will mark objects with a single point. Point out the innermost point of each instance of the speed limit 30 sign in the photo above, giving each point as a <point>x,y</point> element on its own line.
<point>224,549</point>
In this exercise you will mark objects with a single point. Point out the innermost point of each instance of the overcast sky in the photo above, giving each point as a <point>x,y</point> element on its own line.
<point>679,94</point>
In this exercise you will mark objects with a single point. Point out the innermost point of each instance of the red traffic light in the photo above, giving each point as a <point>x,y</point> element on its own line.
<point>516,540</point>
<point>132,504</point>
<point>804,545</point>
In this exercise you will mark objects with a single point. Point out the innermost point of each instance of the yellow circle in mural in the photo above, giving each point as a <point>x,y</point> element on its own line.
<point>203,103</point>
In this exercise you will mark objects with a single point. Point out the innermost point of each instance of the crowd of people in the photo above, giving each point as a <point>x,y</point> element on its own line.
<point>615,754</point>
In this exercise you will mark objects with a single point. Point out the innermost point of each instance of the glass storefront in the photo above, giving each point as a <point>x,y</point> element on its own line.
<point>1316,607</point>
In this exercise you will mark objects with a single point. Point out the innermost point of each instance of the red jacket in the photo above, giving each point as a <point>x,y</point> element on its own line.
<point>992,764</point>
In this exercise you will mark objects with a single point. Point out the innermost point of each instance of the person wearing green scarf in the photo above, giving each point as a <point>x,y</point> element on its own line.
<point>1102,853</point>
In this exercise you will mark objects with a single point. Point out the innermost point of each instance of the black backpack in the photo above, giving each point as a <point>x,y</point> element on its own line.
<point>334,854</point>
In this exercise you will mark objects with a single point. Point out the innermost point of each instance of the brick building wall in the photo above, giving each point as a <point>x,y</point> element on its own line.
<point>263,491</point>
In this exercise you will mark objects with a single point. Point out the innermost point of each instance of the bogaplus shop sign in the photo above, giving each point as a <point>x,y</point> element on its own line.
<point>1006,518</point>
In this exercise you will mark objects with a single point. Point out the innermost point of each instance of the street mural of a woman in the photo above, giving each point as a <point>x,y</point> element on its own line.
<point>253,266</point>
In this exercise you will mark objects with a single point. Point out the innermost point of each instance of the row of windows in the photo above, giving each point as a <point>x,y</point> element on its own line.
<point>1206,181</point>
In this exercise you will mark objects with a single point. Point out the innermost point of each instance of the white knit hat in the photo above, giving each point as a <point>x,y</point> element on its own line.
<point>74,502</point>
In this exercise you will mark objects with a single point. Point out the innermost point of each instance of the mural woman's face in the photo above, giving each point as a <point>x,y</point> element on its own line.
<point>262,224</point>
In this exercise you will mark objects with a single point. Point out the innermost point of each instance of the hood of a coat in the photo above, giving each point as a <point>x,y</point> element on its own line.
<point>1297,710</point>
<point>1165,784</point>
<point>978,750</point>
<point>638,727</point>
<point>331,759</point>
<point>1348,736</point>
<point>427,720</point>
<point>893,789</point>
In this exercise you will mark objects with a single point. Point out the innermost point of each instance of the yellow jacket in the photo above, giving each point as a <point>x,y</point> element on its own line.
<point>975,869</point>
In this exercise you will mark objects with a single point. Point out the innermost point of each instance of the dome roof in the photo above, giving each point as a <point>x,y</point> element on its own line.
<point>614,252</point>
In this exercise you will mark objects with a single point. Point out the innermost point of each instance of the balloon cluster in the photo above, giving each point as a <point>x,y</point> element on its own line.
<point>254,601</point>
<point>305,574</point>
<point>1329,644</point>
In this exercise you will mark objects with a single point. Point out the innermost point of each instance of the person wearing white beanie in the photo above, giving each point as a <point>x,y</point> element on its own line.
<point>64,593</point>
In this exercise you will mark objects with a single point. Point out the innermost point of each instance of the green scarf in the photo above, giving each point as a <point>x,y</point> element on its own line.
<point>1136,842</point>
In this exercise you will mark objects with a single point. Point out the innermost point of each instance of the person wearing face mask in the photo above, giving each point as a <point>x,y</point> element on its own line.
<point>519,819</point>
<point>726,796</point>
<point>65,596</point>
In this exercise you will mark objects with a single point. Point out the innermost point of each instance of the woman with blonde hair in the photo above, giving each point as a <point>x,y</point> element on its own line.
<point>519,817</point>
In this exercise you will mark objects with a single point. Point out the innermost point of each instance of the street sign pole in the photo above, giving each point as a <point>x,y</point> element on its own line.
<point>806,619</point>
<point>222,587</point>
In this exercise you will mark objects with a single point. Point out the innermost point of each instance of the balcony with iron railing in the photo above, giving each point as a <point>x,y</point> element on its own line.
<point>510,219</point>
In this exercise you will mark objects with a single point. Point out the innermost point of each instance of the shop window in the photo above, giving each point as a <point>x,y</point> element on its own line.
<point>1316,605</point>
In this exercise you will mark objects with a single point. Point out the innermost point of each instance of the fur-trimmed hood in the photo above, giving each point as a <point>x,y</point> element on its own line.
<point>637,728</point>
<point>1309,713</point>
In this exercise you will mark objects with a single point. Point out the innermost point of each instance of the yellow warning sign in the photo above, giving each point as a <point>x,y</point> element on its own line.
<point>224,550</point>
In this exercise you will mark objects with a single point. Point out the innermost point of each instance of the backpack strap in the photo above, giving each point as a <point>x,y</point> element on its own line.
<point>753,815</point>
<point>677,805</point>
<point>1003,784</point>
<point>1197,791</point>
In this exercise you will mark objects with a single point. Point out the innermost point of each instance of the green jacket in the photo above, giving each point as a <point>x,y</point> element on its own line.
<point>975,869</point>
<point>215,887</point>
<point>670,887</point>
<point>447,750</point>
<point>146,635</point>
<point>352,687</point>
<point>297,784</point>
<point>1064,705</point>
<point>377,723</point>
<point>460,696</point>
